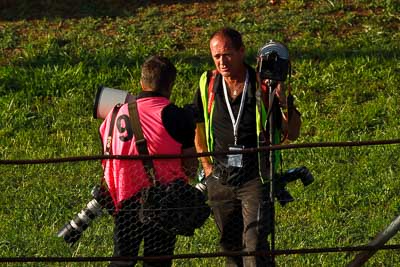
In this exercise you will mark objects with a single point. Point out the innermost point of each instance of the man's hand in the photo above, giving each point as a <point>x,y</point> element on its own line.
<point>280,91</point>
<point>281,94</point>
<point>201,146</point>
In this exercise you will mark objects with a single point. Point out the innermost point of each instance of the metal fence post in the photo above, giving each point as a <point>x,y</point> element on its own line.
<point>379,240</point>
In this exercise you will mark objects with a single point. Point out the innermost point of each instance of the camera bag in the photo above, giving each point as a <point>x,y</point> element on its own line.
<point>177,207</point>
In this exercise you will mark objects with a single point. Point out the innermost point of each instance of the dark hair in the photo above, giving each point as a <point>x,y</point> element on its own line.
<point>232,34</point>
<point>158,73</point>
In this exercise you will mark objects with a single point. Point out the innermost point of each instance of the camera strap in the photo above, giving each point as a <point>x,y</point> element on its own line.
<point>111,129</point>
<point>140,141</point>
<point>212,76</point>
<point>264,96</point>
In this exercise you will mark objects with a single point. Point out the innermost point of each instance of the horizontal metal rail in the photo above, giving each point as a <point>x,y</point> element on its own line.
<point>204,154</point>
<point>203,255</point>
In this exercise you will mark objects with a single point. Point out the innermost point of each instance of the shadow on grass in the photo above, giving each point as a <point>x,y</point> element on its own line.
<point>12,10</point>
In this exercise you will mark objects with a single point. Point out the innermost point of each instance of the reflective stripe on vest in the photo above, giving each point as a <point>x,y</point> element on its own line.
<point>206,83</point>
<point>207,99</point>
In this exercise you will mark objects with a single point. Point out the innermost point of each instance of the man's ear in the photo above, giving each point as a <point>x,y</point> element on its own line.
<point>143,86</point>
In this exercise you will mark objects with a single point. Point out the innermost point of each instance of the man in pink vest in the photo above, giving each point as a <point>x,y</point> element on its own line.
<point>167,129</point>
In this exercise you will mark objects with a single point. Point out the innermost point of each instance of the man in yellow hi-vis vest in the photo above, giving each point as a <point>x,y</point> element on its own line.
<point>230,120</point>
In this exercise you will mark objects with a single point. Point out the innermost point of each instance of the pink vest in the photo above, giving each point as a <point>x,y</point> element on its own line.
<point>127,177</point>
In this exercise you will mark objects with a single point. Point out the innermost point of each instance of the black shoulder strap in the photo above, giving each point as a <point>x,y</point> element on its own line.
<point>140,141</point>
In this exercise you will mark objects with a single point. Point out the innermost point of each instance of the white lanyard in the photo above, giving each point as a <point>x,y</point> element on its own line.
<point>235,123</point>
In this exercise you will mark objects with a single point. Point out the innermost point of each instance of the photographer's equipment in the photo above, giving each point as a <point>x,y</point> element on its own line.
<point>107,98</point>
<point>273,61</point>
<point>72,231</point>
<point>273,64</point>
<point>202,185</point>
<point>281,194</point>
<point>176,207</point>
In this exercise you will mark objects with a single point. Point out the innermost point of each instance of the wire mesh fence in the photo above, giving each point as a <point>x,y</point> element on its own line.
<point>346,205</point>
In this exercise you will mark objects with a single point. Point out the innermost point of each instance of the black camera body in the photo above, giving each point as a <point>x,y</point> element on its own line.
<point>72,231</point>
<point>273,67</point>
<point>273,61</point>
<point>281,194</point>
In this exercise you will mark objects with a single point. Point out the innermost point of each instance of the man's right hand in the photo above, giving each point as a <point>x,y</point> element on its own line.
<point>201,147</point>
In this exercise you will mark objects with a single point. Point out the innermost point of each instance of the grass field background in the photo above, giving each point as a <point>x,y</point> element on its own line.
<point>346,75</point>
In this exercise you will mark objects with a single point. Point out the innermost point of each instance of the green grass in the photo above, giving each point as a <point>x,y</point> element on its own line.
<point>345,57</point>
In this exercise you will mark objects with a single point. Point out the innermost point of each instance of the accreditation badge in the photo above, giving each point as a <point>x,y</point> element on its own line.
<point>235,160</point>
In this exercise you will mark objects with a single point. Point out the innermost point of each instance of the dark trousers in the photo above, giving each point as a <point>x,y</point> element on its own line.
<point>242,215</point>
<point>129,233</point>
